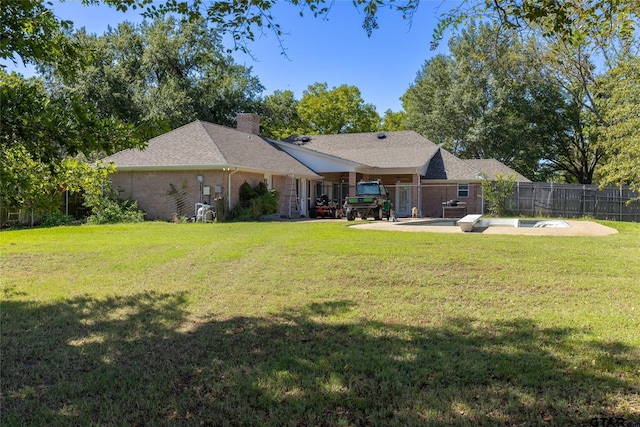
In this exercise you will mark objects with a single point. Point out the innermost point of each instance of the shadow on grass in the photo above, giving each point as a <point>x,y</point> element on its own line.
<point>140,361</point>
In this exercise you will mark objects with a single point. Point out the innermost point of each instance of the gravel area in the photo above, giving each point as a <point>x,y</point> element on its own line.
<point>577,228</point>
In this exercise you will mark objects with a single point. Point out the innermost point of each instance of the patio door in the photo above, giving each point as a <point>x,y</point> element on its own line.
<point>404,197</point>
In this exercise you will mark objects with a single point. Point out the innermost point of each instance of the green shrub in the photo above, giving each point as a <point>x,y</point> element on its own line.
<point>112,212</point>
<point>255,202</point>
<point>246,195</point>
<point>496,194</point>
<point>261,189</point>
<point>55,219</point>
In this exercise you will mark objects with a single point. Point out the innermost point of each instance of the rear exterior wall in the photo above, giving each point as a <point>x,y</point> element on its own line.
<point>435,195</point>
<point>164,194</point>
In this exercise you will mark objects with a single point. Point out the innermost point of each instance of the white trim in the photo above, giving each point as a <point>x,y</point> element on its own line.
<point>303,197</point>
<point>207,167</point>
<point>468,190</point>
<point>409,189</point>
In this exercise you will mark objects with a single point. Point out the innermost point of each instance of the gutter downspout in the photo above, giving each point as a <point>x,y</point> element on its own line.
<point>419,193</point>
<point>229,186</point>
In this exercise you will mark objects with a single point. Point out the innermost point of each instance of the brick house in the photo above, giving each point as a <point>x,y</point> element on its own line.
<point>417,172</point>
<point>203,161</point>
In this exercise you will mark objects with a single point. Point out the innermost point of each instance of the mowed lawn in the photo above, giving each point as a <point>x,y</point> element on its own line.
<point>316,324</point>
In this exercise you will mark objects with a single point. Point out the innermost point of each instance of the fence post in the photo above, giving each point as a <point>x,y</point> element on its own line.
<point>621,207</point>
<point>533,201</point>
<point>518,192</point>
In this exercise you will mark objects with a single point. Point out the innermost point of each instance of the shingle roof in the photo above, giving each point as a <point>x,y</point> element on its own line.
<point>403,149</point>
<point>446,166</point>
<point>492,167</point>
<point>203,144</point>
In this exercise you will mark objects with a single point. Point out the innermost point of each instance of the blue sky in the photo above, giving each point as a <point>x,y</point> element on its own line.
<point>335,50</point>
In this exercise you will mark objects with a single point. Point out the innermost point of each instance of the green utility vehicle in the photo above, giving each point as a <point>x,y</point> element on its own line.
<point>369,201</point>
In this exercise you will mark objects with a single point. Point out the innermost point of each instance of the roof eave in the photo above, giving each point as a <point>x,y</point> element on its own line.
<point>375,170</point>
<point>142,168</point>
<point>164,168</point>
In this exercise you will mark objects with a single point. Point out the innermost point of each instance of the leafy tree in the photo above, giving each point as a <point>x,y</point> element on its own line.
<point>92,181</point>
<point>160,75</point>
<point>30,31</point>
<point>570,21</point>
<point>52,125</point>
<point>581,41</point>
<point>25,183</point>
<point>577,155</point>
<point>621,139</point>
<point>394,121</point>
<point>572,68</point>
<point>42,129</point>
<point>339,110</point>
<point>279,115</point>
<point>487,100</point>
<point>320,111</point>
<point>242,20</point>
<point>431,106</point>
<point>496,193</point>
<point>30,184</point>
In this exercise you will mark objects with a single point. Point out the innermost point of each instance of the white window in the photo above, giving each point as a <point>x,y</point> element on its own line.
<point>463,190</point>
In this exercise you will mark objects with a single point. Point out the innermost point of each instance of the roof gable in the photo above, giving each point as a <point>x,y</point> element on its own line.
<point>445,166</point>
<point>188,145</point>
<point>206,145</point>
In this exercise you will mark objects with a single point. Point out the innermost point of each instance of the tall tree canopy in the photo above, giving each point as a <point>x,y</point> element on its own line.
<point>32,33</point>
<point>621,139</point>
<point>394,121</point>
<point>50,125</point>
<point>571,21</point>
<point>320,111</point>
<point>28,34</point>
<point>575,63</point>
<point>337,110</point>
<point>486,100</point>
<point>40,129</point>
<point>160,75</point>
<point>279,115</point>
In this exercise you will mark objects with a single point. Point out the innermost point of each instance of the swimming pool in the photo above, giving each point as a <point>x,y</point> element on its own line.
<point>494,222</point>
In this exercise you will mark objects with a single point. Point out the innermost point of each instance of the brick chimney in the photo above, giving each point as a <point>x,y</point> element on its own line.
<point>249,123</point>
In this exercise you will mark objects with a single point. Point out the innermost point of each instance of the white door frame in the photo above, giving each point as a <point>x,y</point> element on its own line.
<point>303,202</point>
<point>399,209</point>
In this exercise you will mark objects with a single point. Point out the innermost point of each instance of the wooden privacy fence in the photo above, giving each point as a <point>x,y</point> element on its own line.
<point>571,201</point>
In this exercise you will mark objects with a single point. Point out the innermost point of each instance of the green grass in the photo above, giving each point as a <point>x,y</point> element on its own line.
<point>316,324</point>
